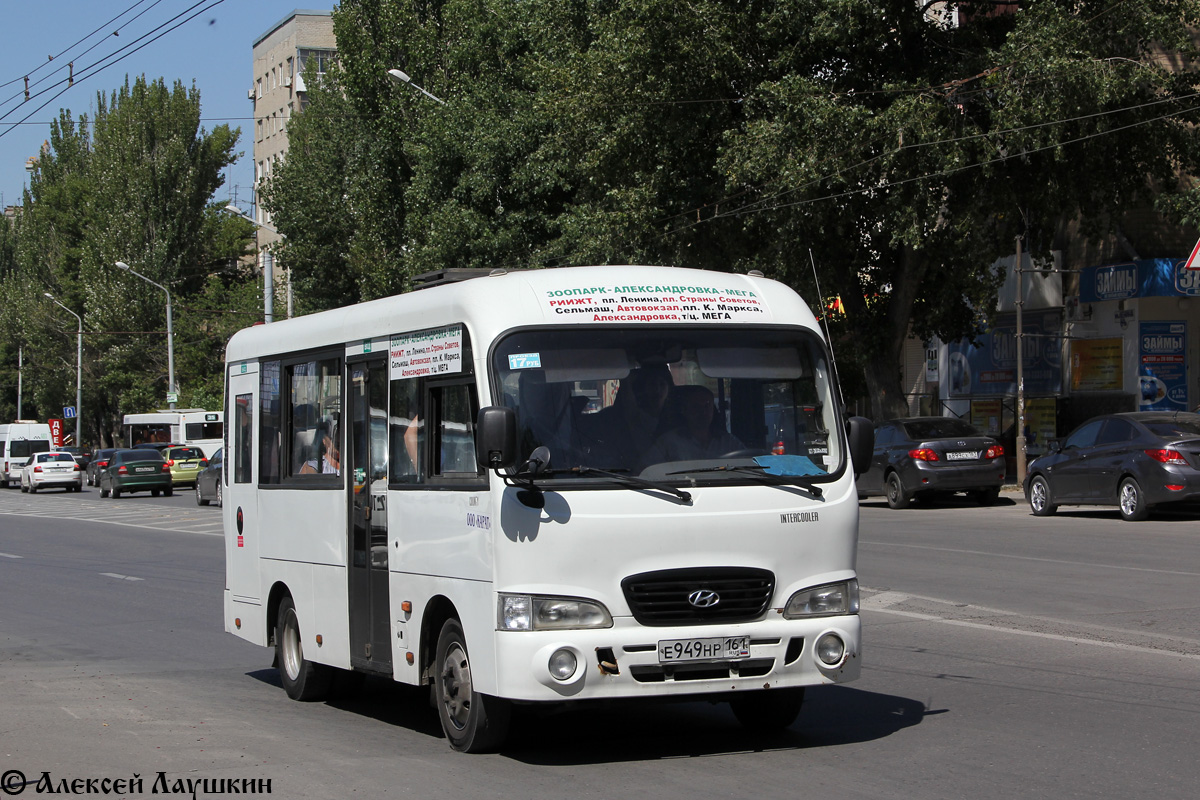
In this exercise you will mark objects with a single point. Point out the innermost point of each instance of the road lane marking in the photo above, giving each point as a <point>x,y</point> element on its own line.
<point>9,555</point>
<point>1032,558</point>
<point>120,577</point>
<point>884,601</point>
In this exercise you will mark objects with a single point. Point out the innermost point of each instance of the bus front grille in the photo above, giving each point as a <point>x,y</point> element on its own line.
<point>699,595</point>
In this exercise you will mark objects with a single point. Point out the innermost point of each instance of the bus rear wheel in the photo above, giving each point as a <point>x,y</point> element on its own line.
<point>301,678</point>
<point>767,709</point>
<point>473,722</point>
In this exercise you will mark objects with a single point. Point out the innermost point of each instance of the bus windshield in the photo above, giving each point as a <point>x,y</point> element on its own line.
<point>673,404</point>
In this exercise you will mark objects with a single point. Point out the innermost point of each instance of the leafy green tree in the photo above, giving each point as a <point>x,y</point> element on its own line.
<point>896,153</point>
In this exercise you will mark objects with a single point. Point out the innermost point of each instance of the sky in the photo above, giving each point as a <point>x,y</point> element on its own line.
<point>210,45</point>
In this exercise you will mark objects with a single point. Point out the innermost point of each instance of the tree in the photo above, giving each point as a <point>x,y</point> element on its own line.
<point>897,154</point>
<point>137,189</point>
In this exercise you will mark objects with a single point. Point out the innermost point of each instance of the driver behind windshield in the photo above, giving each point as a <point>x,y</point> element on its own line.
<point>699,434</point>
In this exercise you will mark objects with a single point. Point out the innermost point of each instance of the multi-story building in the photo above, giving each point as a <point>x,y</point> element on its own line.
<point>281,56</point>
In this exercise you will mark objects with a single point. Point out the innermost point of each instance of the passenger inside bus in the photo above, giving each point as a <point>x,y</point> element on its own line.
<point>617,436</point>
<point>328,460</point>
<point>698,434</point>
<point>544,417</point>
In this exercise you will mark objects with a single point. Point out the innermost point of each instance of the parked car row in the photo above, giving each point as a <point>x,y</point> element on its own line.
<point>117,471</point>
<point>1135,461</point>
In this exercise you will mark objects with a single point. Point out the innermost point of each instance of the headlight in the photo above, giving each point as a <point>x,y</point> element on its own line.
<point>833,599</point>
<point>523,612</point>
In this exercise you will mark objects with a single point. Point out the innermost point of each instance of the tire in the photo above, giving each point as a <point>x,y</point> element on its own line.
<point>301,678</point>
<point>24,488</point>
<point>115,493</point>
<point>987,497</point>
<point>220,498</point>
<point>32,489</point>
<point>767,710</point>
<point>103,492</point>
<point>896,496</point>
<point>1132,501</point>
<point>154,492</point>
<point>473,722</point>
<point>167,492</point>
<point>1039,497</point>
<point>200,501</point>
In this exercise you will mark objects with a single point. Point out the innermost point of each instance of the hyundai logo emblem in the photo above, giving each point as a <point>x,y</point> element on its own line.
<point>704,598</point>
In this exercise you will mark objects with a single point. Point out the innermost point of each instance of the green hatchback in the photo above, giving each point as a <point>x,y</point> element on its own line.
<point>185,464</point>
<point>136,471</point>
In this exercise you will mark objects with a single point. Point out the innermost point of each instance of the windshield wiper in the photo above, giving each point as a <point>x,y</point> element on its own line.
<point>630,480</point>
<point>758,471</point>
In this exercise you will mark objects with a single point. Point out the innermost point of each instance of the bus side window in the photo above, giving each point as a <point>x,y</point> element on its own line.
<point>243,438</point>
<point>268,421</point>
<point>406,431</point>
<point>455,451</point>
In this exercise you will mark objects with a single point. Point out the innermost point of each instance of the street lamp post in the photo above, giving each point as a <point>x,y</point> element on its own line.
<point>171,390</point>
<point>402,77</point>
<point>78,370</point>
<point>268,268</point>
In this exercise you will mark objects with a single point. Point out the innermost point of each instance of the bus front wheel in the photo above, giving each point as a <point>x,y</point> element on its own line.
<point>302,679</point>
<point>767,709</point>
<point>473,722</point>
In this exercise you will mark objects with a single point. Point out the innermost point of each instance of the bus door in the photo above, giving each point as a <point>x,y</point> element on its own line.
<point>370,639</point>
<point>239,491</point>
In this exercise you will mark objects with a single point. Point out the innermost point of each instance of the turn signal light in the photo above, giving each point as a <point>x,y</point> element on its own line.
<point>166,466</point>
<point>171,463</point>
<point>1167,456</point>
<point>37,469</point>
<point>995,451</point>
<point>923,454</point>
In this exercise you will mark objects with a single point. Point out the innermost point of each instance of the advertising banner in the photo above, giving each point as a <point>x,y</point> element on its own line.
<point>989,367</point>
<point>1096,365</point>
<point>1162,368</point>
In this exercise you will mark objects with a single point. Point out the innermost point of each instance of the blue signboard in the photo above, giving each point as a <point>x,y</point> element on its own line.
<point>989,367</point>
<point>1151,277</point>
<point>1162,366</point>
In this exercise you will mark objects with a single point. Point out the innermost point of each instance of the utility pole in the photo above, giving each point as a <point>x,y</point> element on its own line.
<point>1020,441</point>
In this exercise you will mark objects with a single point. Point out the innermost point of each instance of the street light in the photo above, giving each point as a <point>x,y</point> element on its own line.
<point>171,390</point>
<point>402,77</point>
<point>78,369</point>
<point>268,268</point>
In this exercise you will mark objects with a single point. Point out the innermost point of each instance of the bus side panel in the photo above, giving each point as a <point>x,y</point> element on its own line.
<point>319,594</point>
<point>306,525</point>
<point>246,619</point>
<point>475,604</point>
<point>441,533</point>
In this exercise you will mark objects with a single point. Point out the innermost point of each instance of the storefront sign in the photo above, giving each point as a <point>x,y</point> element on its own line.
<point>1096,365</point>
<point>1151,277</point>
<point>989,367</point>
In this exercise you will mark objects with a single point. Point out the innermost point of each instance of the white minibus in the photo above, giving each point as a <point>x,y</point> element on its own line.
<point>188,426</point>
<point>18,441</point>
<point>532,488</point>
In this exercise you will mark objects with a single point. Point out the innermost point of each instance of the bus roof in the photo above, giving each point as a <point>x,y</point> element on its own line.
<point>492,304</point>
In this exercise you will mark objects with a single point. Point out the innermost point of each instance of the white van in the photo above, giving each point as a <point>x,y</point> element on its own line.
<point>19,440</point>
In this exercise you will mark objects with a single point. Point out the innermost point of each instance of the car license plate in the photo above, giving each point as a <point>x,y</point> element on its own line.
<point>188,466</point>
<point>723,648</point>
<point>143,469</point>
<point>963,455</point>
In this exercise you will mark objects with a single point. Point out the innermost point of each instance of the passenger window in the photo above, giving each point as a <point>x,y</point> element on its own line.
<point>1084,437</point>
<point>1115,431</point>
<point>315,403</point>
<point>455,447</point>
<point>243,434</point>
<point>407,431</point>
<point>269,438</point>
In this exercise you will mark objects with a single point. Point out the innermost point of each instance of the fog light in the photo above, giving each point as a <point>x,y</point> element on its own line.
<point>830,649</point>
<point>563,664</point>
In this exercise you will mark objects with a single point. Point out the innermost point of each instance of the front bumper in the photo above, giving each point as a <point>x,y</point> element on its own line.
<point>622,661</point>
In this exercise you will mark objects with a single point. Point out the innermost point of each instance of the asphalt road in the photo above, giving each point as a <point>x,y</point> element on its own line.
<point>1005,656</point>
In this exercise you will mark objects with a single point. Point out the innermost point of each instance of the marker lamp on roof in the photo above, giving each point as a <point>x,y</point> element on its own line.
<point>833,599</point>
<point>522,612</point>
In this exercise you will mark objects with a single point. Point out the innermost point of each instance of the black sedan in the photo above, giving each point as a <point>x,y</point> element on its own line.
<point>208,482</point>
<point>922,457</point>
<point>1134,461</point>
<point>97,464</point>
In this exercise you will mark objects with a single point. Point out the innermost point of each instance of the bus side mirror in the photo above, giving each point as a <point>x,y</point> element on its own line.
<point>861,433</point>
<point>496,437</point>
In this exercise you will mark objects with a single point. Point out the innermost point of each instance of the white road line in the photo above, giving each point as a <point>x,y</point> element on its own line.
<point>120,577</point>
<point>883,601</point>
<point>1031,558</point>
<point>9,555</point>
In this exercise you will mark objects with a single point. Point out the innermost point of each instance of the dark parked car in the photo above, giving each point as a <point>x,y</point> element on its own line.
<point>1134,461</point>
<point>136,471</point>
<point>208,482</point>
<point>82,455</point>
<point>925,456</point>
<point>97,464</point>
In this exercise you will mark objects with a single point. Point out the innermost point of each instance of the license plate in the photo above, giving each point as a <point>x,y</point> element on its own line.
<point>143,469</point>
<point>722,648</point>
<point>963,455</point>
<point>187,466</point>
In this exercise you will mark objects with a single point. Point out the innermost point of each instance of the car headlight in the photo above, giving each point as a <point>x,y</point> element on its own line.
<point>523,612</point>
<point>833,599</point>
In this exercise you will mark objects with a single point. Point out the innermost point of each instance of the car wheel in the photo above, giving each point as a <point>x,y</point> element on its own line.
<point>154,492</point>
<point>24,488</point>
<point>1039,497</point>
<point>200,501</point>
<point>115,493</point>
<point>103,492</point>
<point>987,497</point>
<point>302,679</point>
<point>768,711</point>
<point>896,496</point>
<point>167,492</point>
<point>32,488</point>
<point>473,722</point>
<point>1132,501</point>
